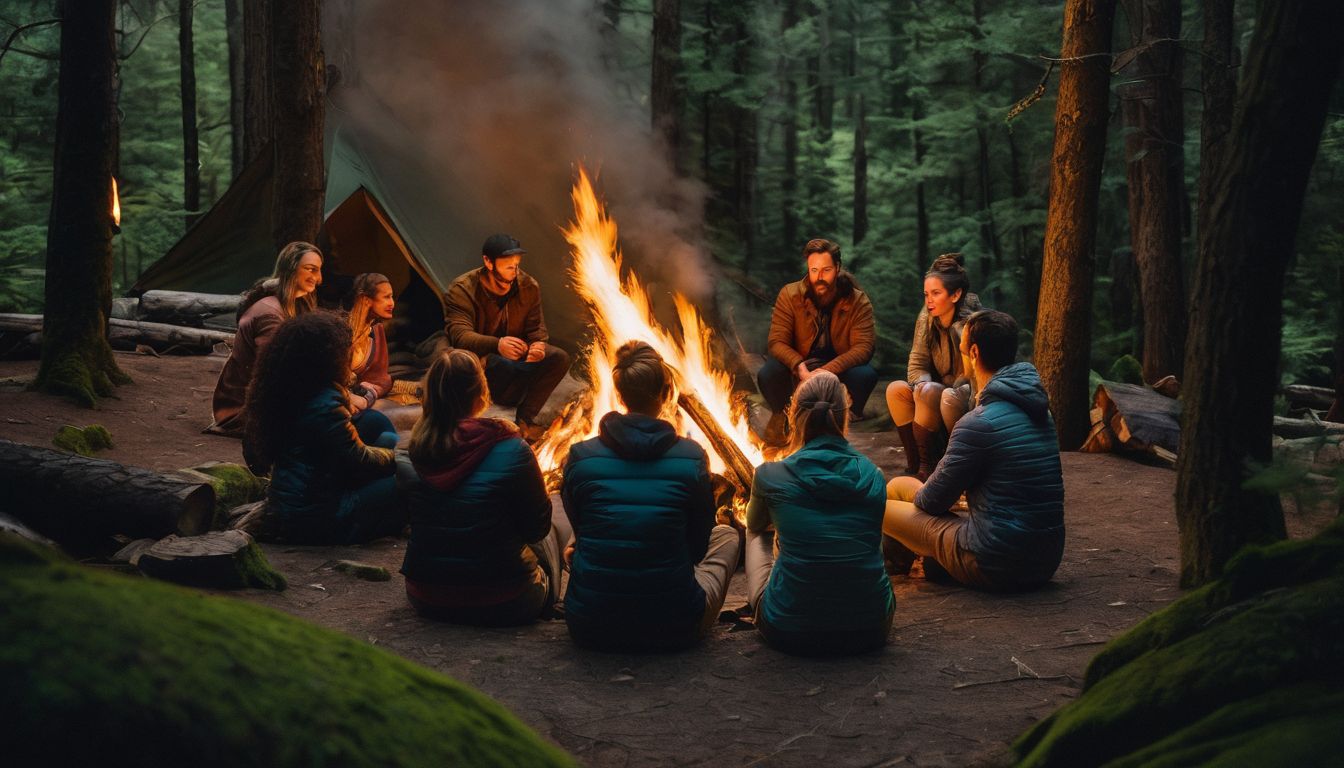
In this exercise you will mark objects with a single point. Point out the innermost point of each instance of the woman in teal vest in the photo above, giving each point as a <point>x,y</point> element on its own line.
<point>826,592</point>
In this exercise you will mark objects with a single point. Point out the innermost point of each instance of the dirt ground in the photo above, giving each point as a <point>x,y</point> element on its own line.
<point>964,673</point>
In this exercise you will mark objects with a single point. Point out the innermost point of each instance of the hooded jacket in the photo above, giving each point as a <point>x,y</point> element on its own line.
<point>640,502</point>
<point>1005,456</point>
<point>475,532</point>
<point>826,502</point>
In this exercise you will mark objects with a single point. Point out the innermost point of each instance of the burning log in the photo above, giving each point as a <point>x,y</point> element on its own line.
<point>740,468</point>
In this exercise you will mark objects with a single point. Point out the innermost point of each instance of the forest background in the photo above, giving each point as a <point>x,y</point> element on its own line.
<point>883,126</point>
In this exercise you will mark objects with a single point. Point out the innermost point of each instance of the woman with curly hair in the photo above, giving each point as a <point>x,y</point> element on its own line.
<point>289,292</point>
<point>485,544</point>
<point>327,485</point>
<point>937,389</point>
<point>826,592</point>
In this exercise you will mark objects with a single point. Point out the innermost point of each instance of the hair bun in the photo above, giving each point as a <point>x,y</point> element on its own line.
<point>631,353</point>
<point>949,262</point>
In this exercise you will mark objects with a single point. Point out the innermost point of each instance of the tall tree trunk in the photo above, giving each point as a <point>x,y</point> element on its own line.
<point>297,109</point>
<point>1155,171</point>
<point>610,34</point>
<point>76,358</point>
<point>191,164</point>
<point>1231,360</point>
<point>233,23</point>
<point>789,183</point>
<point>861,173</point>
<point>745,140</point>
<point>707,98</point>
<point>1218,81</point>
<point>989,230</point>
<point>819,67</point>
<point>921,207</point>
<point>258,127</point>
<point>1063,339</point>
<point>667,93</point>
<point>1028,267</point>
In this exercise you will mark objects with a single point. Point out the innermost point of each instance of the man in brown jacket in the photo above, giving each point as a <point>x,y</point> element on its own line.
<point>495,312</point>
<point>822,322</point>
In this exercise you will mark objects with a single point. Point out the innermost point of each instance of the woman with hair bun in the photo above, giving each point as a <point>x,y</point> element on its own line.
<point>937,388</point>
<point>649,568</point>
<point>826,593</point>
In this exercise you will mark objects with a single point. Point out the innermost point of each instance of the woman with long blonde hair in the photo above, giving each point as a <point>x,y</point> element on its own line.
<point>372,306</point>
<point>827,591</point>
<point>290,291</point>
<point>485,545</point>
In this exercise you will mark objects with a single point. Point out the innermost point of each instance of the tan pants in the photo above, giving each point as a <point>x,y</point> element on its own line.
<point>715,571</point>
<point>929,535</point>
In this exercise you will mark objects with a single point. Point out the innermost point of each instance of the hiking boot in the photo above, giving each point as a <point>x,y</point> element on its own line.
<point>911,448</point>
<point>777,430</point>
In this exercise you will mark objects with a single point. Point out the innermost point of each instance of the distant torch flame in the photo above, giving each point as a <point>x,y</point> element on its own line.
<point>621,312</point>
<point>116,204</point>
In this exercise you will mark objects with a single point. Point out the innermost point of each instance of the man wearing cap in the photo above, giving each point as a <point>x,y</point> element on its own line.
<point>495,312</point>
<point>822,322</point>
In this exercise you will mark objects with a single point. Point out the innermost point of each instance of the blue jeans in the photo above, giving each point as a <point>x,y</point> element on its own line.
<point>526,385</point>
<point>374,428</point>
<point>777,383</point>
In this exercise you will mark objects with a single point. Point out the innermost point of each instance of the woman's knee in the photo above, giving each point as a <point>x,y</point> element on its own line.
<point>903,488</point>
<point>900,402</point>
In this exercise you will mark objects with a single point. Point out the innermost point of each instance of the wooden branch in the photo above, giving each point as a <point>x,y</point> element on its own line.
<point>78,501</point>
<point>723,445</point>
<point>158,335</point>
<point>9,41</point>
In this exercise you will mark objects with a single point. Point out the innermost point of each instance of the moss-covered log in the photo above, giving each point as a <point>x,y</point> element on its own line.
<point>218,560</point>
<point>1248,670</point>
<point>161,675</point>
<point>76,359</point>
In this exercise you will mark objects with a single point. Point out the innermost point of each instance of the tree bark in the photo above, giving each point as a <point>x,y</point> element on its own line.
<point>258,128</point>
<point>1253,209</point>
<point>76,358</point>
<point>191,163</point>
<point>823,87</point>
<point>789,184</point>
<point>297,109</point>
<point>861,173</point>
<point>1028,267</point>
<point>989,230</point>
<point>745,142</point>
<point>1063,338</point>
<point>1218,81</point>
<point>78,501</point>
<point>233,22</point>
<point>667,92</point>
<point>1155,174</point>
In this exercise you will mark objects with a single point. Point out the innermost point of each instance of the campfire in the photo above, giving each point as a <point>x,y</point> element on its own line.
<point>116,207</point>
<point>714,415</point>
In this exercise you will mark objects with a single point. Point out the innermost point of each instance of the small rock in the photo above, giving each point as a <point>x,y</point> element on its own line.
<point>363,571</point>
<point>814,691</point>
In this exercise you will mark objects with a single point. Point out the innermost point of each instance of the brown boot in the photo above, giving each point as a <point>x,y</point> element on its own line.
<point>923,436</point>
<point>777,430</point>
<point>907,433</point>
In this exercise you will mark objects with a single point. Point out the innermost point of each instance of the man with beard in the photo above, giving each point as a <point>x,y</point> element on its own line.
<point>495,312</point>
<point>822,322</point>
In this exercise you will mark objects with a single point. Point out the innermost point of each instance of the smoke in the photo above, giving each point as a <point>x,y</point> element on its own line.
<point>499,102</point>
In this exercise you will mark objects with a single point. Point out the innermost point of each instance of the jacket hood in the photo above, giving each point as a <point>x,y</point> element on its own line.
<point>829,469</point>
<point>1019,384</point>
<point>635,436</point>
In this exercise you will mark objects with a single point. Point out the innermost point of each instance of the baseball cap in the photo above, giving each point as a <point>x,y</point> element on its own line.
<point>501,245</point>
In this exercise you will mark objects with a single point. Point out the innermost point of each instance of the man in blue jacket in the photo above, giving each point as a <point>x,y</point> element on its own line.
<point>1005,457</point>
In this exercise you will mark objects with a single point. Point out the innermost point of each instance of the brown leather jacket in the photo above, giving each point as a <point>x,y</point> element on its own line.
<point>794,325</point>
<point>472,313</point>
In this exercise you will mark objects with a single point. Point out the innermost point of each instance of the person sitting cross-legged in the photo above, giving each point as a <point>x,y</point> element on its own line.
<point>1004,456</point>
<point>827,592</point>
<point>649,568</point>
<point>485,547</point>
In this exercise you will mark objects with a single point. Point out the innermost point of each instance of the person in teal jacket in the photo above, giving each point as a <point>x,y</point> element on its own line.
<point>1005,457</point>
<point>484,546</point>
<point>649,569</point>
<point>826,592</point>
<point>327,485</point>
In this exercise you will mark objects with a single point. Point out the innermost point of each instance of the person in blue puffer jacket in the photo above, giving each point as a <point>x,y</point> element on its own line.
<point>826,593</point>
<point>485,542</point>
<point>327,485</point>
<point>649,568</point>
<point>1004,456</point>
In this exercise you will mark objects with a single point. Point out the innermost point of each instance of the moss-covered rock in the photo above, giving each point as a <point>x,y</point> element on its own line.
<point>1127,370</point>
<point>1245,671</point>
<point>97,667</point>
<point>84,441</point>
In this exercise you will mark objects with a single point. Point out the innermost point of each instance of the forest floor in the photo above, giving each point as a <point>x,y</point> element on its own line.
<point>963,675</point>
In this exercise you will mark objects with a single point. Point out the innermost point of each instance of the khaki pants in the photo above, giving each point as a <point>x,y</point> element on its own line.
<point>929,535</point>
<point>715,571</point>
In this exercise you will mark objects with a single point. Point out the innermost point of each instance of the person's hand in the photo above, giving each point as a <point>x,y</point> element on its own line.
<point>536,351</point>
<point>803,373</point>
<point>370,391</point>
<point>512,348</point>
<point>358,403</point>
<point>569,556</point>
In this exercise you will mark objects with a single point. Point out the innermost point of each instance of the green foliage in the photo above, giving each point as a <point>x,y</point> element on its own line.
<point>176,678</point>
<point>84,441</point>
<point>1127,370</point>
<point>234,485</point>
<point>1245,671</point>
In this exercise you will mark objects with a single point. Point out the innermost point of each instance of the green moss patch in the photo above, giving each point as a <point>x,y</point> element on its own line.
<point>175,677</point>
<point>234,486</point>
<point>1126,369</point>
<point>84,441</point>
<point>1241,672</point>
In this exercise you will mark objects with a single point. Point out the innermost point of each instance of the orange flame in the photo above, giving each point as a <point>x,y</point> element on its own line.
<point>621,312</point>
<point>116,204</point>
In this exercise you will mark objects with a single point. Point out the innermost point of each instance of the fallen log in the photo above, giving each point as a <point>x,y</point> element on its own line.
<point>160,336</point>
<point>1308,427</point>
<point>218,560</point>
<point>1303,396</point>
<point>1133,417</point>
<point>186,307</point>
<point>80,501</point>
<point>741,470</point>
